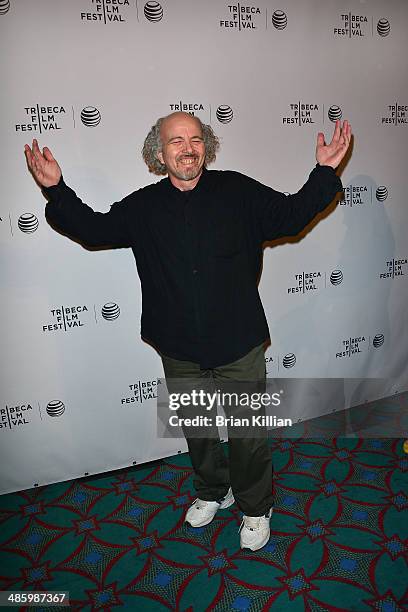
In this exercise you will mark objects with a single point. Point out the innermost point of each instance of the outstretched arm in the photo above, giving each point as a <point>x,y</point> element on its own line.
<point>331,154</point>
<point>68,213</point>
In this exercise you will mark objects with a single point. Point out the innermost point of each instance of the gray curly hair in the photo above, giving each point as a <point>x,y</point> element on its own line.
<point>153,144</point>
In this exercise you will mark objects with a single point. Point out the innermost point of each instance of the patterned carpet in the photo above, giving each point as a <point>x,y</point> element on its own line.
<point>338,542</point>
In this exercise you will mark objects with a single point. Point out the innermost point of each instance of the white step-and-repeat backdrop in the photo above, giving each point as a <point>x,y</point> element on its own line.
<point>88,78</point>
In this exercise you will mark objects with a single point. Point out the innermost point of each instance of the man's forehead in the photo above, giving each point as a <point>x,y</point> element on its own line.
<point>179,122</point>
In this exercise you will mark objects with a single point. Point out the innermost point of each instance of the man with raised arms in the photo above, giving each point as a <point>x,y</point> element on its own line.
<point>197,238</point>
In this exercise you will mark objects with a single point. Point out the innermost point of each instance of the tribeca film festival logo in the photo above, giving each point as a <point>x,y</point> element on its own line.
<point>65,318</point>
<point>310,281</point>
<point>352,25</point>
<point>242,17</point>
<point>360,194</point>
<point>42,118</point>
<point>351,346</point>
<point>141,391</point>
<point>18,415</point>
<point>300,113</point>
<point>15,416</point>
<point>395,114</point>
<point>106,11</point>
<point>394,268</point>
<point>355,346</point>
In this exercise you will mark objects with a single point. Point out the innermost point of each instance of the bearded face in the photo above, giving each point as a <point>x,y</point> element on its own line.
<point>183,149</point>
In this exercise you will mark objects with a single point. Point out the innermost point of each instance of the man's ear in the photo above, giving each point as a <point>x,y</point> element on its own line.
<point>160,157</point>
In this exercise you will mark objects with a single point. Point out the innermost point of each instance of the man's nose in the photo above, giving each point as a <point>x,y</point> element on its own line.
<point>188,148</point>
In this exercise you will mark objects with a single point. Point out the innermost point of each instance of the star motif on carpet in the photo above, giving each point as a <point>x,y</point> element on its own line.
<point>399,500</point>
<point>331,488</point>
<point>125,487</point>
<point>218,562</point>
<point>316,530</point>
<point>104,597</point>
<point>36,574</point>
<point>32,509</point>
<point>343,454</point>
<point>386,603</point>
<point>394,546</point>
<point>147,542</point>
<point>84,525</point>
<point>297,584</point>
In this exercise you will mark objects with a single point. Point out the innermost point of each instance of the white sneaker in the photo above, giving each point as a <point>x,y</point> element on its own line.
<point>202,512</point>
<point>255,531</point>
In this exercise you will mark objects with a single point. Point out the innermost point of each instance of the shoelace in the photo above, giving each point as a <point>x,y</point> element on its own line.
<point>256,523</point>
<point>200,503</point>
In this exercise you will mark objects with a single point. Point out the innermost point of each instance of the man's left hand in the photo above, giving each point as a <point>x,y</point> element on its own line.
<point>333,153</point>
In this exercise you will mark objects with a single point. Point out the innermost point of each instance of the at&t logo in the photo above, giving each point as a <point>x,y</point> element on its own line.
<point>27,223</point>
<point>153,11</point>
<point>279,20</point>
<point>334,113</point>
<point>90,116</point>
<point>224,113</point>
<point>381,193</point>
<point>4,6</point>
<point>383,27</point>
<point>55,408</point>
<point>336,277</point>
<point>110,311</point>
<point>289,360</point>
<point>378,340</point>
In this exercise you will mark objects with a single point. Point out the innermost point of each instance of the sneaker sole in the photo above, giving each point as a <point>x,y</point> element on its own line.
<point>264,543</point>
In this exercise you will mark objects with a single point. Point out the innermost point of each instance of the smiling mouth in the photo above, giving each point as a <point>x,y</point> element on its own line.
<point>188,161</point>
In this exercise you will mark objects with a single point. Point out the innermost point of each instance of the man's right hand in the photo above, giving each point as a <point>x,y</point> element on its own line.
<point>43,166</point>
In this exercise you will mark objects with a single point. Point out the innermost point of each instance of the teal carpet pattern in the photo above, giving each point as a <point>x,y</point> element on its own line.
<point>118,541</point>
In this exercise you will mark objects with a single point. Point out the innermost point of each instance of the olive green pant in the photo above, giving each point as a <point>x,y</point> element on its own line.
<point>249,468</point>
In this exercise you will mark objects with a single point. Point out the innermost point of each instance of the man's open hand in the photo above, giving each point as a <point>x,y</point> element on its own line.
<point>43,166</point>
<point>331,154</point>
